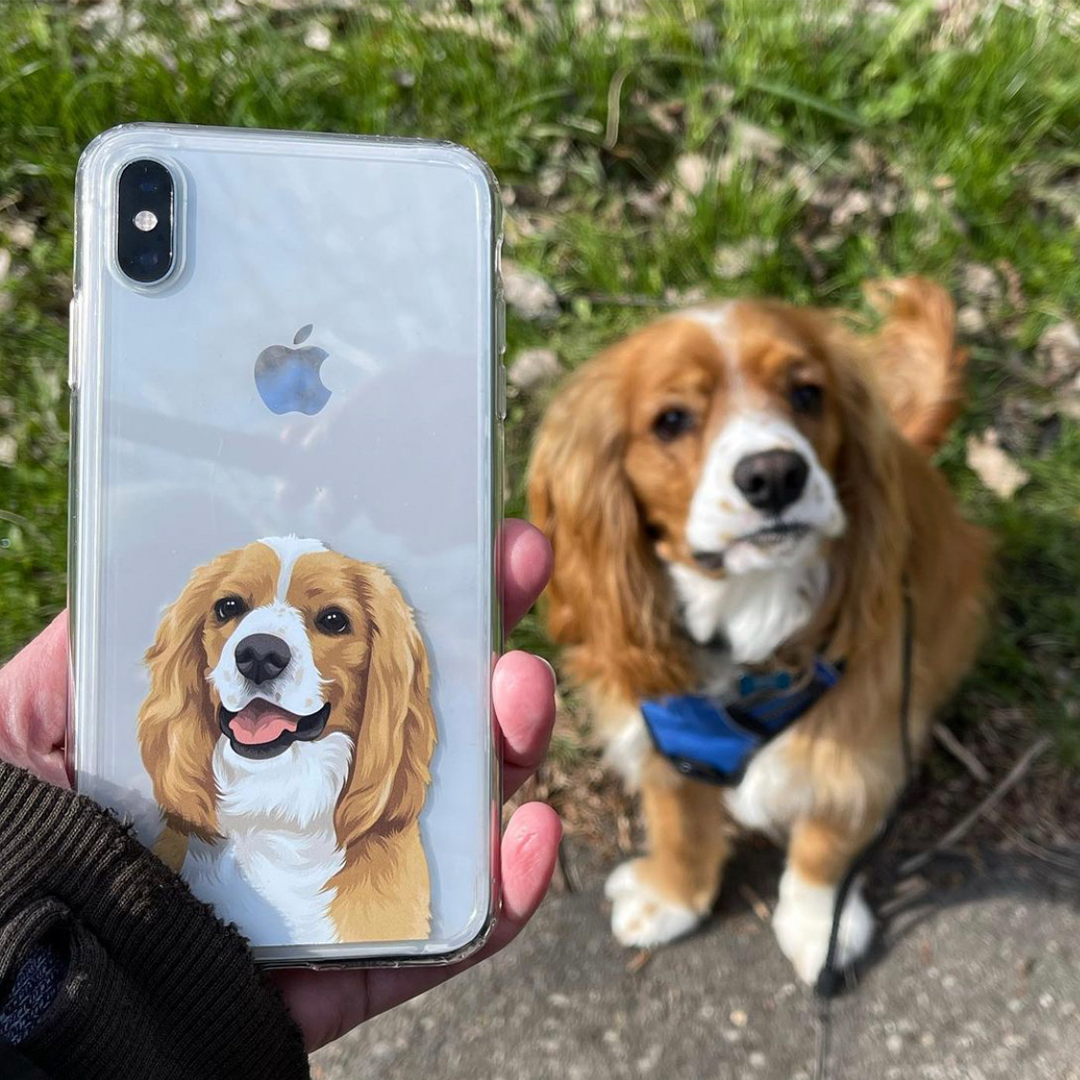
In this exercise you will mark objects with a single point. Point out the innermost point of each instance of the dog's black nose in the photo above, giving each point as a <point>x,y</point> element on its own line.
<point>262,657</point>
<point>772,479</point>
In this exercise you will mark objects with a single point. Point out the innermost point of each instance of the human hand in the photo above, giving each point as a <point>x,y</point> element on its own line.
<point>326,1004</point>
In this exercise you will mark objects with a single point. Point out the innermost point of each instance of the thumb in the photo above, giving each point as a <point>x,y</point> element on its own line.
<point>34,702</point>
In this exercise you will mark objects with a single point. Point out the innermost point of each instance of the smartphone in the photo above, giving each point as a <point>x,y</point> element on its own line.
<point>288,398</point>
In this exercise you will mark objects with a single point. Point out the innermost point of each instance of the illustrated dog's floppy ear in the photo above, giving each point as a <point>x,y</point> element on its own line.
<point>390,769</point>
<point>177,723</point>
<point>606,598</point>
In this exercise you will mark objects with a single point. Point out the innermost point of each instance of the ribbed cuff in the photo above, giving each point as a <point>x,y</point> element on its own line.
<point>157,986</point>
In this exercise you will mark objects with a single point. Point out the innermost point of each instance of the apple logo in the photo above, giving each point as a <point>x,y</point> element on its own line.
<point>288,379</point>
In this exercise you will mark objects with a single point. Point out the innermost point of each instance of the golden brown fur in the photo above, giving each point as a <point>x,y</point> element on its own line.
<point>377,684</point>
<point>614,502</point>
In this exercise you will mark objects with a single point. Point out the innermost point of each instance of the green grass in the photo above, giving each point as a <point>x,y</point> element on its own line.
<point>971,132</point>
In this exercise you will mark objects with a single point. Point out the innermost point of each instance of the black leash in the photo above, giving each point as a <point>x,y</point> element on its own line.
<point>830,979</point>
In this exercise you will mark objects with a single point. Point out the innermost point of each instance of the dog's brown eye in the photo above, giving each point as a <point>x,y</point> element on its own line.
<point>229,607</point>
<point>333,621</point>
<point>806,399</point>
<point>672,423</point>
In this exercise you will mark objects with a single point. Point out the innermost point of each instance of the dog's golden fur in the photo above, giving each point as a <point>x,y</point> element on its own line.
<point>376,681</point>
<point>614,502</point>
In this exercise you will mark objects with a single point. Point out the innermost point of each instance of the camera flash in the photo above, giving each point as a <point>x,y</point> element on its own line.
<point>145,220</point>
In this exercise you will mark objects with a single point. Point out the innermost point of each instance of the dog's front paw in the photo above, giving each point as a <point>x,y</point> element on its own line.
<point>640,916</point>
<point>803,922</point>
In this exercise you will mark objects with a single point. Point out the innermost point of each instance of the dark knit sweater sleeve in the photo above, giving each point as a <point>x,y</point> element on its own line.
<point>156,986</point>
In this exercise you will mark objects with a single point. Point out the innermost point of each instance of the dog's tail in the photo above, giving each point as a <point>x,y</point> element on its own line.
<point>919,367</point>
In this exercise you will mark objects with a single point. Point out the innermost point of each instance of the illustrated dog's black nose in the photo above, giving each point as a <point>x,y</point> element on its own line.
<point>262,657</point>
<point>772,479</point>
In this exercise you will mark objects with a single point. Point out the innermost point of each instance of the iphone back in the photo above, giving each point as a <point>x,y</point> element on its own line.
<point>285,363</point>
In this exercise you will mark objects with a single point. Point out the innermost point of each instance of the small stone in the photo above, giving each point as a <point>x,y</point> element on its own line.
<point>9,449</point>
<point>533,367</point>
<point>1015,1005</point>
<point>757,1060</point>
<point>529,294</point>
<point>5,263</point>
<point>894,1044</point>
<point>927,1039</point>
<point>738,1017</point>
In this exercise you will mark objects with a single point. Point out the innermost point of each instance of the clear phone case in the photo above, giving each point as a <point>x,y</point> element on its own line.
<point>285,500</point>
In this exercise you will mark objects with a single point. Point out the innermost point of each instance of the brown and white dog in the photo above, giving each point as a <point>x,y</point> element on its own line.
<point>741,487</point>
<point>288,732</point>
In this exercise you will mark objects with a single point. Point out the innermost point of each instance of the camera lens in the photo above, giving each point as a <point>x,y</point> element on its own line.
<point>145,221</point>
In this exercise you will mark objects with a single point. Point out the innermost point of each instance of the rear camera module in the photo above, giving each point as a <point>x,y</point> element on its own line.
<point>145,221</point>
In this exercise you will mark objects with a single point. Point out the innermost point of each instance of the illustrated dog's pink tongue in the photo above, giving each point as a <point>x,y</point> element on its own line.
<point>260,722</point>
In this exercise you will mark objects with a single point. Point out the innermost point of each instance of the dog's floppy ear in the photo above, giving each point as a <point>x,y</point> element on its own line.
<point>390,770</point>
<point>606,600</point>
<point>177,725</point>
<point>867,567</point>
<point>919,370</point>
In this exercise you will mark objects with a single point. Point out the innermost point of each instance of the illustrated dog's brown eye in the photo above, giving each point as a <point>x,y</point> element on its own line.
<point>672,423</point>
<point>229,607</point>
<point>806,399</point>
<point>333,621</point>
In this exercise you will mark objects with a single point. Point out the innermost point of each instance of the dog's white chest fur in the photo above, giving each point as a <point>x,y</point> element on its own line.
<point>754,614</point>
<point>270,874</point>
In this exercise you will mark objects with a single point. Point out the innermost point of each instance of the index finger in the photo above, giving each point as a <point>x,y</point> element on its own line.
<point>525,562</point>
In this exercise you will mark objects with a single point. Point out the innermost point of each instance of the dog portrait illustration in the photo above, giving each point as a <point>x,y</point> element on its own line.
<point>288,733</point>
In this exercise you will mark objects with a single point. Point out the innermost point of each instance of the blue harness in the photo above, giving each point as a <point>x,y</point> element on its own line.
<point>714,741</point>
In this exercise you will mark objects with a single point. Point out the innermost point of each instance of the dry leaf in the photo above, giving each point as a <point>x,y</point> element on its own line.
<point>981,283</point>
<point>1058,351</point>
<point>692,171</point>
<point>317,37</point>
<point>528,294</point>
<point>970,319</point>
<point>734,260</point>
<point>533,367</point>
<point>993,466</point>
